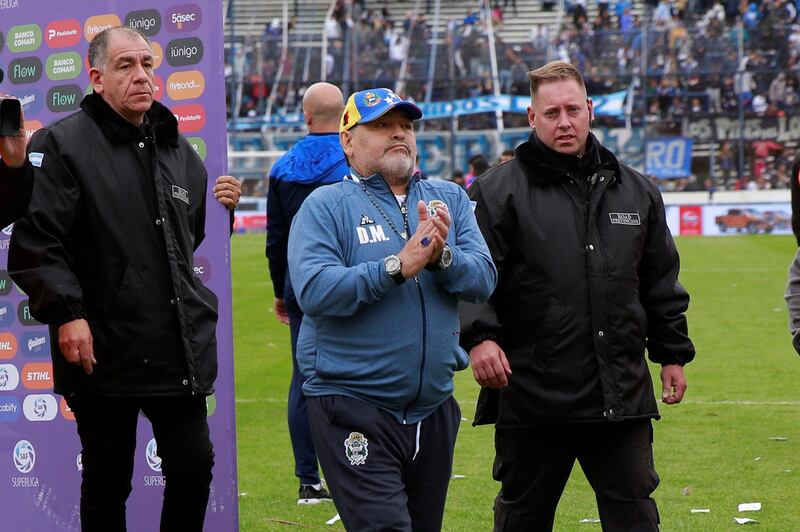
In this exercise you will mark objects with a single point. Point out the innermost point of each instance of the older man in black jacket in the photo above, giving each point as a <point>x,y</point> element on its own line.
<point>105,254</point>
<point>587,279</point>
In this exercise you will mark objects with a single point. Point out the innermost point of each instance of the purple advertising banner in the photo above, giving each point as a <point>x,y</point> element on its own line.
<point>43,46</point>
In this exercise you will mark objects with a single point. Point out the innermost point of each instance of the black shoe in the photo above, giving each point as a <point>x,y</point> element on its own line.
<point>310,495</point>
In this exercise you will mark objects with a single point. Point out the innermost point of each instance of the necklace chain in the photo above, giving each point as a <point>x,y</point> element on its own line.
<point>403,210</point>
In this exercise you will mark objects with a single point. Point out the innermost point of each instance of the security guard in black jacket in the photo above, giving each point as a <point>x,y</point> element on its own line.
<point>587,279</point>
<point>105,254</point>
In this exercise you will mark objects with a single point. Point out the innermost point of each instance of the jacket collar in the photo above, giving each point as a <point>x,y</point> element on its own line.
<point>377,182</point>
<point>162,122</point>
<point>544,166</point>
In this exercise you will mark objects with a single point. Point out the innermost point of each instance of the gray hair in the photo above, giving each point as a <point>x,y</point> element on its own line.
<point>99,45</point>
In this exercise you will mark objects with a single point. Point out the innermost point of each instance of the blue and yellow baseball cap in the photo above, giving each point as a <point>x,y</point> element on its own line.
<point>366,106</point>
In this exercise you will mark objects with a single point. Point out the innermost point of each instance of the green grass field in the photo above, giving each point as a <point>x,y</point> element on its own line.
<point>712,451</point>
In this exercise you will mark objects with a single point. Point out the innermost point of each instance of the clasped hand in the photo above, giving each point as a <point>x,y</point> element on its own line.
<point>426,244</point>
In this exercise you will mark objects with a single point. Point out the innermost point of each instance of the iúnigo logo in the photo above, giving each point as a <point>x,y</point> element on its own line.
<point>153,459</point>
<point>79,461</point>
<point>24,456</point>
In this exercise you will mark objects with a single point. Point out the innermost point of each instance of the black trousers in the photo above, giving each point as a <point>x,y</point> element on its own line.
<point>383,475</point>
<point>107,428</point>
<point>534,465</point>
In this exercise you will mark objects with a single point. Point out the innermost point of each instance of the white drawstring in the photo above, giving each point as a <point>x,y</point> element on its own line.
<point>416,449</point>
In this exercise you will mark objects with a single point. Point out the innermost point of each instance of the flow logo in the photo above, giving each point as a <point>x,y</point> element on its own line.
<point>5,283</point>
<point>64,98</point>
<point>25,70</point>
<point>24,314</point>
<point>153,460</point>
<point>24,456</point>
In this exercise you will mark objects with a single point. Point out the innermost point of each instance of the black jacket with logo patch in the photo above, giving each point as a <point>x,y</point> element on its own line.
<point>587,278</point>
<point>115,216</point>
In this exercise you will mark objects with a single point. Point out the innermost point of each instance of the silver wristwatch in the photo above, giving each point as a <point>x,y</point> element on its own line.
<point>446,259</point>
<point>393,266</point>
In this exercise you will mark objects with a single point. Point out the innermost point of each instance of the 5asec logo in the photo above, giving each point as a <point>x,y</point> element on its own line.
<point>24,456</point>
<point>186,17</point>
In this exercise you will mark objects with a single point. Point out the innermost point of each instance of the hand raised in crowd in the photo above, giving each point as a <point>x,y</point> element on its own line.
<point>228,190</point>
<point>76,344</point>
<point>489,364</point>
<point>12,148</point>
<point>424,245</point>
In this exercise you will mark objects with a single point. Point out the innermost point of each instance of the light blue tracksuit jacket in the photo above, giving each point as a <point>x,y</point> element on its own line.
<point>364,336</point>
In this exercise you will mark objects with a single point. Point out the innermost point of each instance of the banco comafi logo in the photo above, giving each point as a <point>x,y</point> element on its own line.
<point>24,456</point>
<point>153,460</point>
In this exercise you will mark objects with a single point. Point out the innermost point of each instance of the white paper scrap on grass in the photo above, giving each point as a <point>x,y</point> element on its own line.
<point>459,476</point>
<point>701,510</point>
<point>750,507</point>
<point>590,520</point>
<point>756,459</point>
<point>464,419</point>
<point>744,520</point>
<point>333,519</point>
<point>779,438</point>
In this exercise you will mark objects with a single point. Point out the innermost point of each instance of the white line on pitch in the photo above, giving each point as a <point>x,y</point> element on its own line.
<point>744,403</point>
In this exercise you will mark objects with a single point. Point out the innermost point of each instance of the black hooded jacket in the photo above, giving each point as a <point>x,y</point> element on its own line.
<point>115,216</point>
<point>587,279</point>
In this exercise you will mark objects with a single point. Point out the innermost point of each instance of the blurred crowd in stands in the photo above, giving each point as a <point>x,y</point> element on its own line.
<point>678,60</point>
